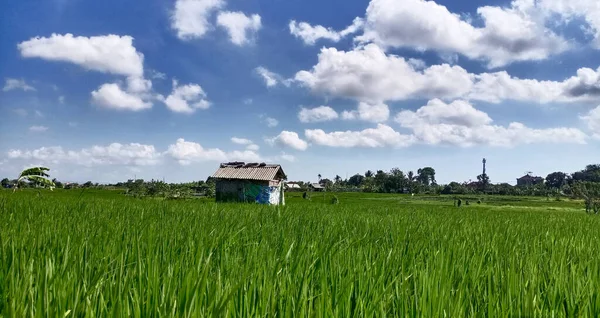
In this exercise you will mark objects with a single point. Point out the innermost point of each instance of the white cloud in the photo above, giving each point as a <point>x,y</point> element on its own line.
<point>113,97</point>
<point>456,113</point>
<point>107,53</point>
<point>154,74</point>
<point>311,34</point>
<point>245,156</point>
<point>460,124</point>
<point>368,112</point>
<point>241,28</point>
<point>38,128</point>
<point>187,98</point>
<point>368,74</point>
<point>382,136</point>
<point>317,114</point>
<point>271,122</point>
<point>288,139</point>
<point>507,35</point>
<point>186,152</point>
<point>38,113</point>
<point>253,147</point>
<point>114,154</point>
<point>271,79</point>
<point>592,119</point>
<point>241,141</point>
<point>190,17</point>
<point>563,11</point>
<point>12,83</point>
<point>111,54</point>
<point>61,99</point>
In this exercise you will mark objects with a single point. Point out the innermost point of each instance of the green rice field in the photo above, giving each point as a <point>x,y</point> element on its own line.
<point>98,253</point>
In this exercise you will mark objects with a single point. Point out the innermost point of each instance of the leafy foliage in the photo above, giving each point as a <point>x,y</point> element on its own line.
<point>37,176</point>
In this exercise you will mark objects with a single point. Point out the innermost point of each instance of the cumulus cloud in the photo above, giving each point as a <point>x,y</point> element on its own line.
<point>563,11</point>
<point>368,112</point>
<point>186,152</point>
<point>507,35</point>
<point>311,34</point>
<point>187,98</point>
<point>38,128</point>
<point>107,53</point>
<point>241,141</point>
<point>112,96</point>
<point>317,114</point>
<point>288,139</point>
<point>460,124</point>
<point>271,79</point>
<point>241,28</point>
<point>381,136</point>
<point>133,154</point>
<point>190,17</point>
<point>369,74</point>
<point>12,83</point>
<point>112,54</point>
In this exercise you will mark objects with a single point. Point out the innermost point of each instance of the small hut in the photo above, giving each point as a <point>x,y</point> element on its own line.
<point>317,187</point>
<point>250,182</point>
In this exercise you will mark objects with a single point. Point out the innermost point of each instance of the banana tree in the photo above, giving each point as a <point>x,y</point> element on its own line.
<point>37,175</point>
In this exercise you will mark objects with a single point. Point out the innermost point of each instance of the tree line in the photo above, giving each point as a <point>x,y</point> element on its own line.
<point>380,181</point>
<point>423,181</point>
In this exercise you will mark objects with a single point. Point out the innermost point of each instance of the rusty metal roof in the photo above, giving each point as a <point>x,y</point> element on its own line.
<point>249,171</point>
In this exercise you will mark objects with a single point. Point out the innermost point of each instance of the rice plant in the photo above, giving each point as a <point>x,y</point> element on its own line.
<point>73,254</point>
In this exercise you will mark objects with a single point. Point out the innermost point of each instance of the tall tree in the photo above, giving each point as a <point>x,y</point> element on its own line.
<point>556,180</point>
<point>426,176</point>
<point>337,179</point>
<point>369,174</point>
<point>5,183</point>
<point>483,180</point>
<point>356,180</point>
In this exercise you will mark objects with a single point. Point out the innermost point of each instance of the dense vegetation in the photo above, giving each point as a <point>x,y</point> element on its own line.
<point>393,181</point>
<point>99,253</point>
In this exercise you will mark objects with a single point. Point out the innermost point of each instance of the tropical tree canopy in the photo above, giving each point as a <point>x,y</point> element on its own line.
<point>38,176</point>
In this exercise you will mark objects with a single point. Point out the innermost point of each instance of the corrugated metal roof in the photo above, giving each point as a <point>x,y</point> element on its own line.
<point>251,171</point>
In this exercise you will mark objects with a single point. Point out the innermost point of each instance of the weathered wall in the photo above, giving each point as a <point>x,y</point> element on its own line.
<point>248,191</point>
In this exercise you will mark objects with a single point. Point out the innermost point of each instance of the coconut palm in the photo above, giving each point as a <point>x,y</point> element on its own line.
<point>36,175</point>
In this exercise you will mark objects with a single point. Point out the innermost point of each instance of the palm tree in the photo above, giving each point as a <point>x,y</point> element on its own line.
<point>36,175</point>
<point>369,174</point>
<point>319,176</point>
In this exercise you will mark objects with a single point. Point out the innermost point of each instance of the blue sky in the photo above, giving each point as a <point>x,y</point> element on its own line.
<point>107,90</point>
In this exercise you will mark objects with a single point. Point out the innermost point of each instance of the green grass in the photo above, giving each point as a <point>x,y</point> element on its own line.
<point>102,254</point>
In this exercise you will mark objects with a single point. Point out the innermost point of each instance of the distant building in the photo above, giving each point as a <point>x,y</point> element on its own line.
<point>292,186</point>
<point>250,182</point>
<point>317,187</point>
<point>529,180</point>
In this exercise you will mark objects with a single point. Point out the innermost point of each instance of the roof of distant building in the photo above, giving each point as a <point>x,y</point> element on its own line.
<point>249,171</point>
